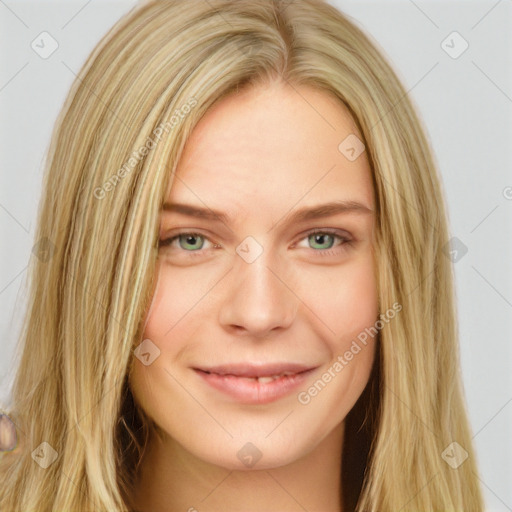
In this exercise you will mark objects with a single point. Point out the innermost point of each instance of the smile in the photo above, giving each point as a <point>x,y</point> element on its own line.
<point>249,384</point>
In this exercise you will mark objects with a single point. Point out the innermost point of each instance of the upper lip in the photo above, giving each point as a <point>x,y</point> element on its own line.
<point>254,370</point>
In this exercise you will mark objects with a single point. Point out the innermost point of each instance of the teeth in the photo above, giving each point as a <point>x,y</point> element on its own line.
<point>265,380</point>
<point>262,380</point>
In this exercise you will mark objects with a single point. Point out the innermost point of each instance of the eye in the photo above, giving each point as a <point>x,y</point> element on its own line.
<point>320,241</point>
<point>189,242</point>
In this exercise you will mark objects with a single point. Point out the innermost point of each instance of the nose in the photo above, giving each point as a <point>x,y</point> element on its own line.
<point>257,298</point>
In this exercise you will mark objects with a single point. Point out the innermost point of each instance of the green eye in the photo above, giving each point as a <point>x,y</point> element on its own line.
<point>320,241</point>
<point>190,240</point>
<point>320,238</point>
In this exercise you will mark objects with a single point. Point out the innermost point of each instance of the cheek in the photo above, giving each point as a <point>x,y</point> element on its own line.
<point>349,306</point>
<point>357,300</point>
<point>168,324</point>
<point>359,312</point>
<point>336,389</point>
<point>344,299</point>
<point>177,301</point>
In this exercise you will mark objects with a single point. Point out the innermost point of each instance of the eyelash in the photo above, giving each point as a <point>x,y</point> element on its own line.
<point>332,251</point>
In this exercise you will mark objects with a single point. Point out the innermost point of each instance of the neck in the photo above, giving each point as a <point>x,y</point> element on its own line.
<point>171,479</point>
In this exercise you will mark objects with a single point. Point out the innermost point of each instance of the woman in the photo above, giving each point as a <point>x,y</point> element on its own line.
<point>258,371</point>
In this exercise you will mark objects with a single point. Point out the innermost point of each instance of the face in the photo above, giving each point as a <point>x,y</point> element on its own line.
<point>249,339</point>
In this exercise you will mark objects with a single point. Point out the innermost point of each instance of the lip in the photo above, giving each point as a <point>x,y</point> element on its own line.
<point>240,380</point>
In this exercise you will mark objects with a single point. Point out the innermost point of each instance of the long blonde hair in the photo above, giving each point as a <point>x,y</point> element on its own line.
<point>146,85</point>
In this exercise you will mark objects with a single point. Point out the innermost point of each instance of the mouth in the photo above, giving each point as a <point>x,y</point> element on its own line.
<point>255,384</point>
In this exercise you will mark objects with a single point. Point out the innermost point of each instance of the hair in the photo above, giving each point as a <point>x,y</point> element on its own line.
<point>146,85</point>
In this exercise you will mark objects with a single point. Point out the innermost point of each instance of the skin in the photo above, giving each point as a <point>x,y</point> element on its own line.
<point>258,156</point>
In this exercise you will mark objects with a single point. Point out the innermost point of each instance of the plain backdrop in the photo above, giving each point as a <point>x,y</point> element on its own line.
<point>454,57</point>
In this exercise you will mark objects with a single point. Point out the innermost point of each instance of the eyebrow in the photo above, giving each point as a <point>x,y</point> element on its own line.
<point>300,215</point>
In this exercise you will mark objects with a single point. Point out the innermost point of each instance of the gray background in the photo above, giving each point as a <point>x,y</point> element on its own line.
<point>466,106</point>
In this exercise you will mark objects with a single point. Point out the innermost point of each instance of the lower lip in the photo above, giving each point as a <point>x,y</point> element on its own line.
<point>250,391</point>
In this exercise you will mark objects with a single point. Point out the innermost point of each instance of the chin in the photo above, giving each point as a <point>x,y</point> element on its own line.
<point>244,455</point>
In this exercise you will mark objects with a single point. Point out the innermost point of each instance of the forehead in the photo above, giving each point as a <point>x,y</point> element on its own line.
<point>268,148</point>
